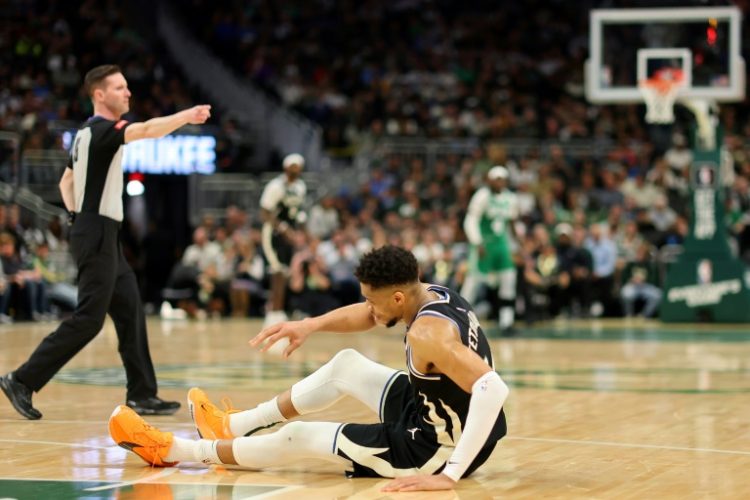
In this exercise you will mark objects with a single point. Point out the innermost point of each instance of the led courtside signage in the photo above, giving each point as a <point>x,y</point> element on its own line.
<point>173,154</point>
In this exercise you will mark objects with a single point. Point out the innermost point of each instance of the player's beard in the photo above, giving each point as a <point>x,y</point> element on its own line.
<point>391,323</point>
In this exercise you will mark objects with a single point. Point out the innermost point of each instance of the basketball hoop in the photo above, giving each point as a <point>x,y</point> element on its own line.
<point>660,93</point>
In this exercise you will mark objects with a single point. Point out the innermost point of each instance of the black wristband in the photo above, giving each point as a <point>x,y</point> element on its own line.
<point>71,217</point>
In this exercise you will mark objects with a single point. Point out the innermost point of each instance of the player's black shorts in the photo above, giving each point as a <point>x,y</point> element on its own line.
<point>277,249</point>
<point>398,446</point>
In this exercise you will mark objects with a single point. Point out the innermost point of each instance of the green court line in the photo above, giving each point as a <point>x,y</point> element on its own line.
<point>34,489</point>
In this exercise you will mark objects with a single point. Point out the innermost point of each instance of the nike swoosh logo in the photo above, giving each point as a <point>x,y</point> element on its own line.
<point>128,445</point>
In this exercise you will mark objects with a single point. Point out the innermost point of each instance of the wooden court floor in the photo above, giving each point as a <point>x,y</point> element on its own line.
<point>596,410</point>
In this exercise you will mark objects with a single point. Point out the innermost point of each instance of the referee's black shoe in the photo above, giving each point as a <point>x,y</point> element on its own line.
<point>153,406</point>
<point>19,396</point>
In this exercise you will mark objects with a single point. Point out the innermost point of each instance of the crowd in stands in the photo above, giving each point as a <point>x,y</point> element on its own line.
<point>47,47</point>
<point>425,68</point>
<point>593,230</point>
<point>592,241</point>
<point>36,271</point>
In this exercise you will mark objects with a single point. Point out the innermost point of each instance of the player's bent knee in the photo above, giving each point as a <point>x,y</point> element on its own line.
<point>347,360</point>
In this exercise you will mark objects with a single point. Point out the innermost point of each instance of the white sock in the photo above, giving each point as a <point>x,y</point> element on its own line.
<point>263,415</point>
<point>188,450</point>
<point>506,317</point>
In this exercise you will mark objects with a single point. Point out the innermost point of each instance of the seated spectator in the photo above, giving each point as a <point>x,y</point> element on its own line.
<point>661,216</point>
<point>340,258</point>
<point>309,283</point>
<point>214,282</point>
<point>604,258</point>
<point>628,241</point>
<point>609,193</point>
<point>189,274</point>
<point>55,287</point>
<point>20,280</point>
<point>640,278</point>
<point>16,230</point>
<point>427,251</point>
<point>644,193</point>
<point>249,274</point>
<point>324,218</point>
<point>679,156</point>
<point>676,234</point>
<point>543,273</point>
<point>576,262</point>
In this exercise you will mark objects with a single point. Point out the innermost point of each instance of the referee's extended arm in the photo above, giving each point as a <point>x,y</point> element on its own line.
<point>159,127</point>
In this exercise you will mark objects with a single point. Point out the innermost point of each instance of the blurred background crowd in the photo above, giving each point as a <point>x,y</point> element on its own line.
<point>593,219</point>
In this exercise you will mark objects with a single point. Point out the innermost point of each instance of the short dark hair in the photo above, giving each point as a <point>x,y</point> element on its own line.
<point>387,266</point>
<point>96,76</point>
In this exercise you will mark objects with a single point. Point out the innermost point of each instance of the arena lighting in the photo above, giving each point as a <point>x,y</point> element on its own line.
<point>173,154</point>
<point>135,187</point>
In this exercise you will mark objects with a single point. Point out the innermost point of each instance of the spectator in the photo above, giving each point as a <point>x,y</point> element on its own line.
<point>628,241</point>
<point>544,273</point>
<point>310,284</point>
<point>54,286</point>
<point>324,218</point>
<point>604,257</point>
<point>661,216</point>
<point>18,278</point>
<point>248,278</point>
<point>679,156</point>
<point>339,257</point>
<point>644,193</point>
<point>640,278</point>
<point>576,261</point>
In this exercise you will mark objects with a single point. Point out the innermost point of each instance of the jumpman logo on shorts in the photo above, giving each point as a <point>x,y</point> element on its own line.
<point>415,429</point>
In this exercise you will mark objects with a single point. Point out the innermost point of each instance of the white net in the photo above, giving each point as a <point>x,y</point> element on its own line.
<point>660,96</point>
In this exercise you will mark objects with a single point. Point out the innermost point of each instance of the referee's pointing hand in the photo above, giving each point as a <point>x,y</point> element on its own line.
<point>198,114</point>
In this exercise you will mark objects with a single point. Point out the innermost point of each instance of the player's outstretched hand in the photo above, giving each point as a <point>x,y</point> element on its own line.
<point>198,114</point>
<point>295,332</point>
<point>421,483</point>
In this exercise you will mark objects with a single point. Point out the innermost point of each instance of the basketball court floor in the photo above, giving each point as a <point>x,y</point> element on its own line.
<point>596,410</point>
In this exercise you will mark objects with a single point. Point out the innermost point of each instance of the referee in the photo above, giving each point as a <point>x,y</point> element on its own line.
<point>91,189</point>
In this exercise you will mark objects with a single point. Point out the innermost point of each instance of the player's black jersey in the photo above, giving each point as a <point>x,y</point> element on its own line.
<point>96,160</point>
<point>442,405</point>
<point>284,199</point>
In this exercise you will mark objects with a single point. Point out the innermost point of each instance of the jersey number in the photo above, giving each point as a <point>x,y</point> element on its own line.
<point>473,331</point>
<point>75,149</point>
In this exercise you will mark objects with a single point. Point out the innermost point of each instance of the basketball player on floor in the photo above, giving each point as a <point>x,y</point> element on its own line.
<point>438,422</point>
<point>281,208</point>
<point>491,215</point>
<point>91,189</point>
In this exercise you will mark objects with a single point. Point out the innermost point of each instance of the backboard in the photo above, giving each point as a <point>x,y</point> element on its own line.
<point>627,46</point>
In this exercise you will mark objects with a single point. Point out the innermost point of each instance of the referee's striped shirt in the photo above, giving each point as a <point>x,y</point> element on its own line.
<point>96,160</point>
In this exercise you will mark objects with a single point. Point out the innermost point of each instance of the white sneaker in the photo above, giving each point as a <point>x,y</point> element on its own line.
<point>273,317</point>
<point>168,312</point>
<point>597,309</point>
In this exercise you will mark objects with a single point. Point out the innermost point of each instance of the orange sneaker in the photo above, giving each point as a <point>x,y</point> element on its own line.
<point>131,432</point>
<point>210,421</point>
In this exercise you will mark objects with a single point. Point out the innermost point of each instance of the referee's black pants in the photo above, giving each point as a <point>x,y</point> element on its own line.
<point>106,284</point>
